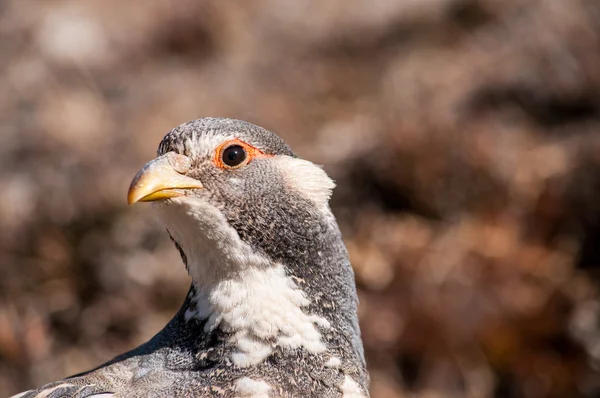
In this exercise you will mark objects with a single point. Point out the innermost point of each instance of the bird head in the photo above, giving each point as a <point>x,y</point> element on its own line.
<point>233,195</point>
<point>253,225</point>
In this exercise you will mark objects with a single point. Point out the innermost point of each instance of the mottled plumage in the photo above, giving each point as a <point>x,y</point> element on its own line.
<point>272,307</point>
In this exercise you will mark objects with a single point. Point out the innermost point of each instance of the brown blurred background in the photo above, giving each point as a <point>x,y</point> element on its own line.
<point>463,135</point>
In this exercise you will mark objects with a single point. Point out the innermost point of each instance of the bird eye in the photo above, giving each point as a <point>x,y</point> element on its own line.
<point>233,155</point>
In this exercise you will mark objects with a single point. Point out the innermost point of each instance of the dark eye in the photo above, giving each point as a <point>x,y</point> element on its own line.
<point>234,155</point>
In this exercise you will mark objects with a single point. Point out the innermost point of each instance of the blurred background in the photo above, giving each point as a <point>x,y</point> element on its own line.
<point>463,136</point>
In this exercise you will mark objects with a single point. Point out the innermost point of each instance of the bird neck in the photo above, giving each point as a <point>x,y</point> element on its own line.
<point>266,302</point>
<point>259,300</point>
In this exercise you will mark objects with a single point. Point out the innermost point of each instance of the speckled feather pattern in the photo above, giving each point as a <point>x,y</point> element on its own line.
<point>278,228</point>
<point>184,138</point>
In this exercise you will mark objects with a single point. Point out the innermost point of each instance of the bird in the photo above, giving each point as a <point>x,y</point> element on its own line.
<point>272,307</point>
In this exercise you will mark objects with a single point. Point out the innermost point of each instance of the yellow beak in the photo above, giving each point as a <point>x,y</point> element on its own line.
<point>162,178</point>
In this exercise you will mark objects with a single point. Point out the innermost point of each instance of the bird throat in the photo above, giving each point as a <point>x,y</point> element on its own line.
<point>260,310</point>
<point>248,307</point>
<point>252,302</point>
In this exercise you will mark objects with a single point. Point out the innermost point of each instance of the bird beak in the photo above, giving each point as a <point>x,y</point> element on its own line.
<point>162,178</point>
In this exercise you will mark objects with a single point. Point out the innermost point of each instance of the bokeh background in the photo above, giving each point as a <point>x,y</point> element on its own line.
<point>463,136</point>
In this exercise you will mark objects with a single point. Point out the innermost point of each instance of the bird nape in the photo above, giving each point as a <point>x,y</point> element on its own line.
<point>272,310</point>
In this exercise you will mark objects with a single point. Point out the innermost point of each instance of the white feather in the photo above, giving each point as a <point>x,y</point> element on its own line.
<point>249,388</point>
<point>306,178</point>
<point>19,395</point>
<point>351,389</point>
<point>333,362</point>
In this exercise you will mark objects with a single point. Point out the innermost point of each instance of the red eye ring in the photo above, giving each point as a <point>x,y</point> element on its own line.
<point>236,145</point>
